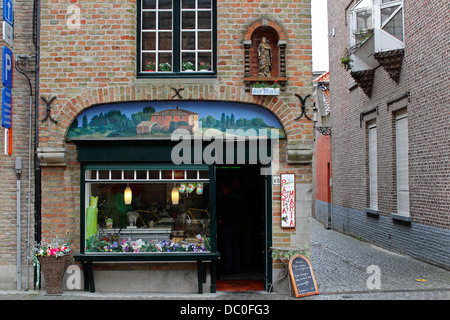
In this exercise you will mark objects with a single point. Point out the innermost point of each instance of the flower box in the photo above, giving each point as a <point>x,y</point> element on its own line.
<point>265,91</point>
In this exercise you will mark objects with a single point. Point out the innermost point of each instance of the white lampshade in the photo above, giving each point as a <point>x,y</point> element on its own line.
<point>127,195</point>
<point>175,195</point>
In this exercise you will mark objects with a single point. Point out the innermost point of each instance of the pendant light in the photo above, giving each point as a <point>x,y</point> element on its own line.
<point>127,195</point>
<point>175,195</point>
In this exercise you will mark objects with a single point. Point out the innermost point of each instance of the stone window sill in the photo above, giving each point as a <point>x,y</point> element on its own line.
<point>396,216</point>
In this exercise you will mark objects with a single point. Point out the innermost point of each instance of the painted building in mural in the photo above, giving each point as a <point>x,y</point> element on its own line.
<point>156,147</point>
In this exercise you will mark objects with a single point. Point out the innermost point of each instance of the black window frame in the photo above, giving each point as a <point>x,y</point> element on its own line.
<point>177,71</point>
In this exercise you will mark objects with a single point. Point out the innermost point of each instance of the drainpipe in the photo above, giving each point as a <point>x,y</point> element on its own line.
<point>37,168</point>
<point>19,60</point>
<point>18,169</point>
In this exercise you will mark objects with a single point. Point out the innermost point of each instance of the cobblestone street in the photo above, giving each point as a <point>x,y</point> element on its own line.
<point>340,266</point>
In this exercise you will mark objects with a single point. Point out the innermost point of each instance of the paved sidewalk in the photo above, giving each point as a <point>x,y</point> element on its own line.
<point>340,267</point>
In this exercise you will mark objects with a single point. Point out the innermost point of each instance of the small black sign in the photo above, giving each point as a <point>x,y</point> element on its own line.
<point>302,277</point>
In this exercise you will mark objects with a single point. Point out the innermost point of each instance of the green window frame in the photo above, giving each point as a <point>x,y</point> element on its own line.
<point>171,33</point>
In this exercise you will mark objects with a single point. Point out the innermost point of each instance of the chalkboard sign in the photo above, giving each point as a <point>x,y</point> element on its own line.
<point>302,276</point>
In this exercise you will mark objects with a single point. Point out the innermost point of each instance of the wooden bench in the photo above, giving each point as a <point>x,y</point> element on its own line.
<point>200,257</point>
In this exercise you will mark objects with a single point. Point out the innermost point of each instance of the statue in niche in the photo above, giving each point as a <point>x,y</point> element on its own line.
<point>264,58</point>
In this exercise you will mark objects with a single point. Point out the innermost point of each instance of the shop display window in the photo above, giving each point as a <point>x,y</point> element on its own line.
<point>147,210</point>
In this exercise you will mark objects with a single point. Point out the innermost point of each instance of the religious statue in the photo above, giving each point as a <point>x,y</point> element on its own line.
<point>264,58</point>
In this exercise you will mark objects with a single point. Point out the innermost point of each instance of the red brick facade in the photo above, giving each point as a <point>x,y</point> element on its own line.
<point>95,63</point>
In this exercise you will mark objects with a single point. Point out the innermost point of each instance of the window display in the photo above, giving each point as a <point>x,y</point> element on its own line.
<point>140,210</point>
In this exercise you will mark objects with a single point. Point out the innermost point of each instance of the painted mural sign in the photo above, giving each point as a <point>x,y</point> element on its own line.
<point>159,119</point>
<point>287,200</point>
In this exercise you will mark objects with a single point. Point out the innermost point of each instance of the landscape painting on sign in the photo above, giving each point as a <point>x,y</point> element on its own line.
<point>159,119</point>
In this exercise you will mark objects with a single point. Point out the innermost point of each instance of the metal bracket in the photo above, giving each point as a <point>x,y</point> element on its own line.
<point>303,106</point>
<point>177,92</point>
<point>326,131</point>
<point>48,103</point>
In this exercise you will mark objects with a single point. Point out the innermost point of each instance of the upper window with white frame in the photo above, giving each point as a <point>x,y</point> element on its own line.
<point>361,21</point>
<point>176,37</point>
<point>383,18</point>
<point>389,31</point>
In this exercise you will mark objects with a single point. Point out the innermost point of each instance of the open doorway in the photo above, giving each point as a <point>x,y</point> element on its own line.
<point>241,236</point>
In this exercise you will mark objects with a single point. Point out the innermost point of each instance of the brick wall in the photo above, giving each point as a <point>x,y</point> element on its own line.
<point>424,75</point>
<point>97,64</point>
<point>23,45</point>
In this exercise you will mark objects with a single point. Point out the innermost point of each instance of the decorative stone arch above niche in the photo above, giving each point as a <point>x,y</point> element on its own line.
<point>276,41</point>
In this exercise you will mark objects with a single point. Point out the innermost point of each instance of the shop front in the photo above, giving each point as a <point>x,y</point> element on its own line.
<point>163,183</point>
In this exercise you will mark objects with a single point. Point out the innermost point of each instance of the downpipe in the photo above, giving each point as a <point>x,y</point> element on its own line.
<point>18,169</point>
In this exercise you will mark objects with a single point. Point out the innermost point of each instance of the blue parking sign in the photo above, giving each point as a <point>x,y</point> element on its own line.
<point>7,70</point>
<point>6,107</point>
<point>8,13</point>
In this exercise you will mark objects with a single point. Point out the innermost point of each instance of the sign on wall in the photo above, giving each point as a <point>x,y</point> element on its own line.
<point>6,107</point>
<point>287,200</point>
<point>8,12</point>
<point>7,65</point>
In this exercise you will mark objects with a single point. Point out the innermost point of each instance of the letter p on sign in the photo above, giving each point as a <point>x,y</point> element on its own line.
<point>7,67</point>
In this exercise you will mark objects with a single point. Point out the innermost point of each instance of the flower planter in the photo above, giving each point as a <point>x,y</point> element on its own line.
<point>54,269</point>
<point>265,91</point>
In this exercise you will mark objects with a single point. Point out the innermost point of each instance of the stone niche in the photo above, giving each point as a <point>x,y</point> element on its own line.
<point>277,42</point>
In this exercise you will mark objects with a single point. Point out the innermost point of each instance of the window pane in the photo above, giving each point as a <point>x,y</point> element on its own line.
<point>188,4</point>
<point>204,40</point>
<point>204,20</point>
<point>141,174</point>
<point>178,174</point>
<point>149,4</point>
<point>204,61</point>
<point>128,174</point>
<point>188,41</point>
<point>165,58</point>
<point>165,4</point>
<point>149,20</point>
<point>204,4</point>
<point>395,26</point>
<point>386,13</point>
<point>165,41</point>
<point>149,41</point>
<point>153,174</point>
<point>116,174</point>
<point>402,166</point>
<point>91,174</point>
<point>364,20</point>
<point>188,20</point>
<point>165,20</point>
<point>192,174</point>
<point>188,57</point>
<point>204,174</point>
<point>103,174</point>
<point>148,61</point>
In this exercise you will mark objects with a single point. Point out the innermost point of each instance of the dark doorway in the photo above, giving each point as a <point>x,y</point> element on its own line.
<point>248,195</point>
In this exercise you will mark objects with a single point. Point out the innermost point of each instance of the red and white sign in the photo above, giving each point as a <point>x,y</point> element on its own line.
<point>287,200</point>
